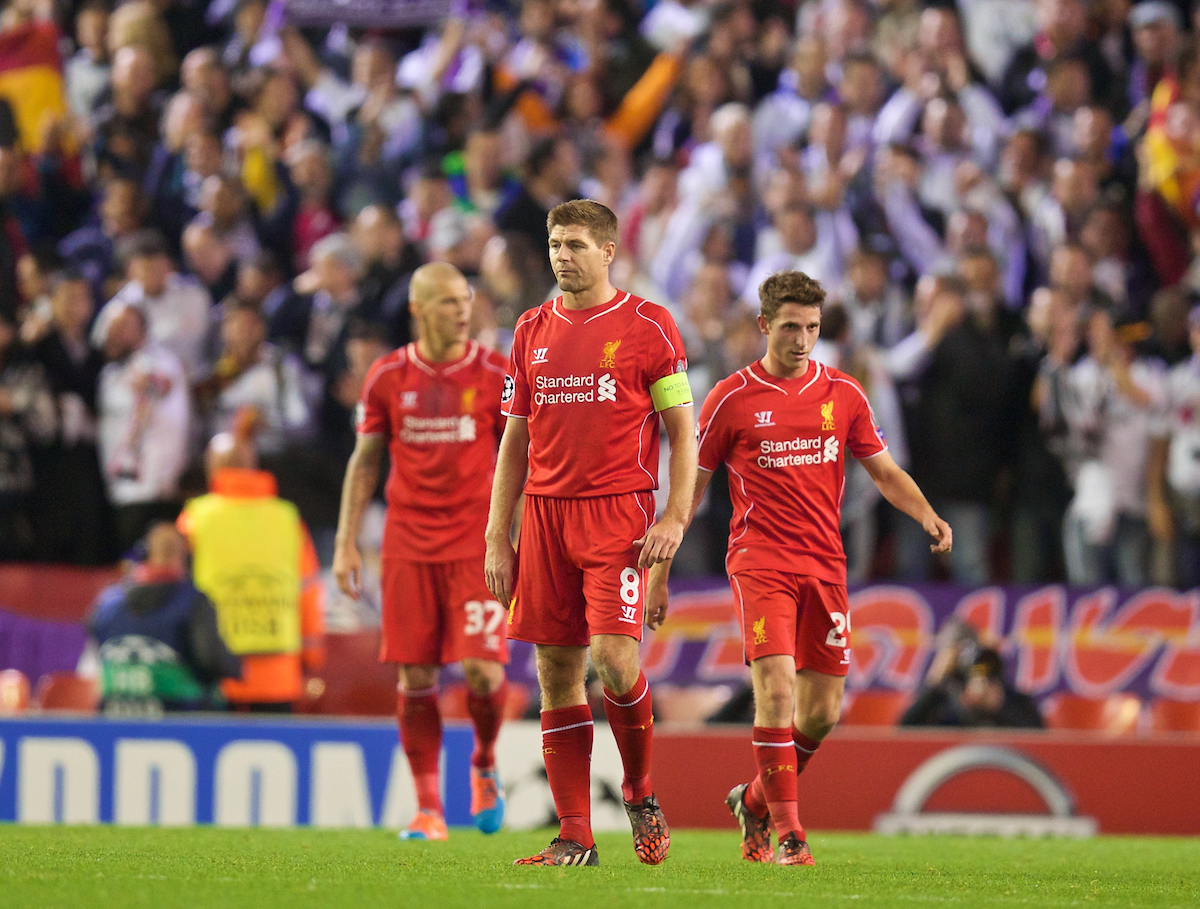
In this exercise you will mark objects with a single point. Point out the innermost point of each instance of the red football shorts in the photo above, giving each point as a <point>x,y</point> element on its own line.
<point>784,613</point>
<point>577,569</point>
<point>440,612</point>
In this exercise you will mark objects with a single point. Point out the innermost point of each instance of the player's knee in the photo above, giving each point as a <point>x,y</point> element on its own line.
<point>616,664</point>
<point>418,678</point>
<point>820,718</point>
<point>773,703</point>
<point>483,676</point>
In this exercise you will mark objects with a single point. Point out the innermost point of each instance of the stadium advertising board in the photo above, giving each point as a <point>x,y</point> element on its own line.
<point>213,770</point>
<point>285,773</point>
<point>1090,642</point>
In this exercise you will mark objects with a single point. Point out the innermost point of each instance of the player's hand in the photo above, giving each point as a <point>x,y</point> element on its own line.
<point>660,542</point>
<point>347,568</point>
<point>940,531</point>
<point>656,598</point>
<point>498,569</point>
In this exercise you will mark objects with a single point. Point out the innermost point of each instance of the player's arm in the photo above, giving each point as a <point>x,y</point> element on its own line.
<point>656,582</point>
<point>362,476</point>
<point>512,465</point>
<point>902,491</point>
<point>662,539</point>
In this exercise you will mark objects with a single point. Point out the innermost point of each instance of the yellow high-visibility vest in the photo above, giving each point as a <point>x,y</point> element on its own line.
<point>246,558</point>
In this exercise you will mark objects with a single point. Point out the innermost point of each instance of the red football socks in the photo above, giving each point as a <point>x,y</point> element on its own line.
<point>487,713</point>
<point>632,722</point>
<point>420,723</point>
<point>567,749</point>
<point>805,749</point>
<point>776,759</point>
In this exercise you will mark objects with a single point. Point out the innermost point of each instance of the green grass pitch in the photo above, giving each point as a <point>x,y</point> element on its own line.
<point>84,867</point>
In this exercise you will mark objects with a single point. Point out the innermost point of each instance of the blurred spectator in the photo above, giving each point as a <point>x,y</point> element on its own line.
<point>181,158</point>
<point>261,281</point>
<point>92,248</point>
<point>73,517</point>
<point>378,233</point>
<point>159,648</point>
<point>144,411</point>
<point>26,422</point>
<point>1115,407</point>
<point>1174,487</point>
<point>253,376</point>
<point>203,77</point>
<point>87,72</point>
<point>253,557</point>
<point>843,350</point>
<point>177,307</point>
<point>126,128</point>
<point>210,259</point>
<point>515,274</point>
<point>551,177</point>
<point>1062,29</point>
<point>956,409</point>
<point>313,216</point>
<point>1040,492</point>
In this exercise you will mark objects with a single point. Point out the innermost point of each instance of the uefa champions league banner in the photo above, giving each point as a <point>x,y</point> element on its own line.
<point>1090,642</point>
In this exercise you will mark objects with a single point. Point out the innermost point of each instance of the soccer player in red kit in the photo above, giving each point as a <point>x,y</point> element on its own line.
<point>434,405</point>
<point>783,428</point>
<point>591,373</point>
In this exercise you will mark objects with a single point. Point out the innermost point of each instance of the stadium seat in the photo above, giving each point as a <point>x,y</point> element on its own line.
<point>1174,716</point>
<point>1117,714</point>
<point>875,708</point>
<point>14,692</point>
<point>66,691</point>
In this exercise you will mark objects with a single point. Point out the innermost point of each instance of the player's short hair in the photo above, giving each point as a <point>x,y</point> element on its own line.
<point>597,219</point>
<point>788,287</point>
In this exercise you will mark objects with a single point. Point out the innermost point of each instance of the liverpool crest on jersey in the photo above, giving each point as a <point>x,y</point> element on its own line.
<point>468,400</point>
<point>827,417</point>
<point>608,359</point>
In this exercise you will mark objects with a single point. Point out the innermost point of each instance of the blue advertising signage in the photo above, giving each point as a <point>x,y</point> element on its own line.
<point>217,770</point>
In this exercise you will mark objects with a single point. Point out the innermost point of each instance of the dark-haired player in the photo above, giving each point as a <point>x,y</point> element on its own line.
<point>591,373</point>
<point>783,427</point>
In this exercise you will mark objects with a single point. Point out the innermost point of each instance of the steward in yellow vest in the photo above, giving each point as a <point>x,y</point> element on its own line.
<point>253,557</point>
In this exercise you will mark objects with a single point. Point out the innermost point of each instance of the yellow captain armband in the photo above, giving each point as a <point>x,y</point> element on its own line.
<point>671,391</point>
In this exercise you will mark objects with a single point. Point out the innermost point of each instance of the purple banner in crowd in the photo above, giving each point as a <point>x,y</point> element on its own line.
<point>1090,642</point>
<point>367,13</point>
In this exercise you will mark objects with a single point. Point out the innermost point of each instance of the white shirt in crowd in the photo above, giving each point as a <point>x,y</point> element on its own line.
<point>180,319</point>
<point>145,409</point>
<point>274,387</point>
<point>1113,429</point>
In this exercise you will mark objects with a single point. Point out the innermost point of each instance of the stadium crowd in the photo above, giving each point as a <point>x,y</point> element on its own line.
<point>205,212</point>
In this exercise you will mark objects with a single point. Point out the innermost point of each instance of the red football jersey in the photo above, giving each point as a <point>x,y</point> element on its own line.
<point>784,443</point>
<point>443,425</point>
<point>582,379</point>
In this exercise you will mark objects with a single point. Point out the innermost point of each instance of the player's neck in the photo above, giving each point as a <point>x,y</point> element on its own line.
<point>432,350</point>
<point>597,295</point>
<point>775,368</point>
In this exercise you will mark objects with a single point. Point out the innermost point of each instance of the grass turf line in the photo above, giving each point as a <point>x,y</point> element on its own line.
<point>78,867</point>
